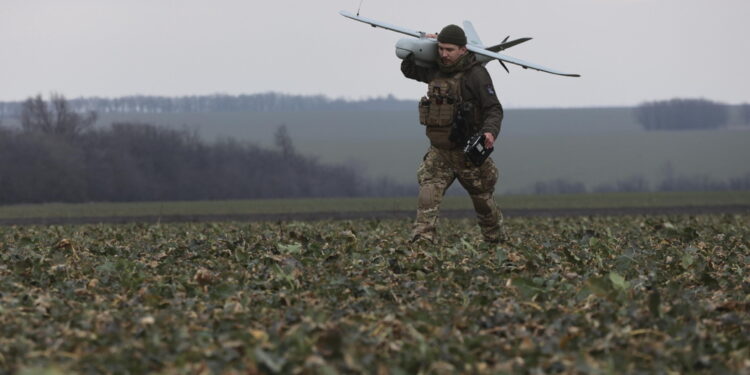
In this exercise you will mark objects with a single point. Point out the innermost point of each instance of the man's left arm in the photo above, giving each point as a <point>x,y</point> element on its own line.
<point>491,108</point>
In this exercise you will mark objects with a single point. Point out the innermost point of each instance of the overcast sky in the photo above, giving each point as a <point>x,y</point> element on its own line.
<point>628,51</point>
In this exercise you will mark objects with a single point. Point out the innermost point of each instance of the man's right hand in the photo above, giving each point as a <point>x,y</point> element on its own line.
<point>489,140</point>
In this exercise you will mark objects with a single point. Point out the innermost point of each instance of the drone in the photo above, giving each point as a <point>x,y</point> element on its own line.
<point>425,48</point>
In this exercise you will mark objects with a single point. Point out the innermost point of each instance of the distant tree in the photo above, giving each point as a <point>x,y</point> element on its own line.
<point>38,167</point>
<point>682,114</point>
<point>143,162</point>
<point>55,117</point>
<point>284,141</point>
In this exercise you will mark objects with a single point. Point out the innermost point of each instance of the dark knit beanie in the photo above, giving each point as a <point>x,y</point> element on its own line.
<point>452,34</point>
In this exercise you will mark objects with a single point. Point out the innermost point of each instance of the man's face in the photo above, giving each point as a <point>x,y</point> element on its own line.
<point>450,53</point>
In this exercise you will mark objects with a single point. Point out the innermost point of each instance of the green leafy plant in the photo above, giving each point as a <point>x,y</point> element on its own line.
<point>572,295</point>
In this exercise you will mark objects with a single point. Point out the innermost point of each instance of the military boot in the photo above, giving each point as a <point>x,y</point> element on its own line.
<point>423,239</point>
<point>498,236</point>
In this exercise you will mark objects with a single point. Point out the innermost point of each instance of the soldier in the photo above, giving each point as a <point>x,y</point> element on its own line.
<point>459,87</point>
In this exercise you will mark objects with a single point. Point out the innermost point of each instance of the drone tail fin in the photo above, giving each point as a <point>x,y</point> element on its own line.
<point>505,44</point>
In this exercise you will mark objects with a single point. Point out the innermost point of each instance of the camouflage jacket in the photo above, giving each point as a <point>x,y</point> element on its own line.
<point>476,88</point>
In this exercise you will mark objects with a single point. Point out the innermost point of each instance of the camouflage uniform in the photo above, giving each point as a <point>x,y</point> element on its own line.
<point>445,161</point>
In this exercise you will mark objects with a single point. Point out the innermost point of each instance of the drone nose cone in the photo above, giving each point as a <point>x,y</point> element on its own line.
<point>403,48</point>
<point>424,50</point>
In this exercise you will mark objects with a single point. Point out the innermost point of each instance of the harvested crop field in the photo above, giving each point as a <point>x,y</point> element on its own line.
<point>375,215</point>
<point>568,295</point>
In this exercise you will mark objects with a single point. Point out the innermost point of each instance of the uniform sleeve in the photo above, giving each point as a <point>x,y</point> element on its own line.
<point>411,70</point>
<point>487,99</point>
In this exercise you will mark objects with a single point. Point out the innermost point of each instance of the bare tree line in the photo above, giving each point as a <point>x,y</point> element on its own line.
<point>686,114</point>
<point>637,183</point>
<point>265,102</point>
<point>57,156</point>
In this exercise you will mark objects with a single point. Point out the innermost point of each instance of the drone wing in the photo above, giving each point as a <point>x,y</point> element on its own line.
<point>383,25</point>
<point>519,62</point>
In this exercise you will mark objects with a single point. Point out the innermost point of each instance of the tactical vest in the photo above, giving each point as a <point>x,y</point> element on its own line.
<point>437,110</point>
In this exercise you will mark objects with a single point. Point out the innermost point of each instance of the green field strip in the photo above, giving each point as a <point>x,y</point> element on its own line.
<point>280,206</point>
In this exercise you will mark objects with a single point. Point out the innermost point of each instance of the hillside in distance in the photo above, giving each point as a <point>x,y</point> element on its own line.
<point>384,125</point>
<point>589,148</point>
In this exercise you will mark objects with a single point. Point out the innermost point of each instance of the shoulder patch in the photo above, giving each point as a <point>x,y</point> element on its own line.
<point>490,89</point>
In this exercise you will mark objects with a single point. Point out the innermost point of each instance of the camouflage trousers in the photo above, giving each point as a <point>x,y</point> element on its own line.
<point>437,172</point>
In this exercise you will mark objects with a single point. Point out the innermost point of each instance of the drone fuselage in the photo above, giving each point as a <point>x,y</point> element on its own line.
<point>425,51</point>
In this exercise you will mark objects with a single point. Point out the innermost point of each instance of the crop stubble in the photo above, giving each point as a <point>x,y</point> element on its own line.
<point>570,294</point>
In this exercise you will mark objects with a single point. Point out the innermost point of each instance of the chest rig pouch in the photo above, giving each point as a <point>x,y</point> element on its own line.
<point>437,110</point>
